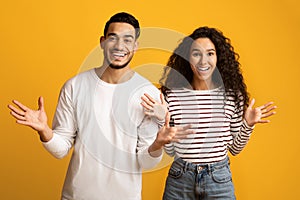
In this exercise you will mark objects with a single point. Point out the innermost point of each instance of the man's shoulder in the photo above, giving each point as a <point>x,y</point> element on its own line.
<point>81,76</point>
<point>143,82</point>
<point>79,80</point>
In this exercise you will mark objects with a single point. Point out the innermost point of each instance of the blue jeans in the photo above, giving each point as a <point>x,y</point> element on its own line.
<point>188,181</point>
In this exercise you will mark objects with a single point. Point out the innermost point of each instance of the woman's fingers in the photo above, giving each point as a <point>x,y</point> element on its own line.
<point>251,104</point>
<point>265,106</point>
<point>267,111</point>
<point>183,131</point>
<point>263,121</point>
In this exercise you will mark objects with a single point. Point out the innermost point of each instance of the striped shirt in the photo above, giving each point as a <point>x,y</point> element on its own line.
<point>216,119</point>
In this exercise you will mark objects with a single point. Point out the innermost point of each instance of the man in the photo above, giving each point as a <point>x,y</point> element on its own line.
<point>99,113</point>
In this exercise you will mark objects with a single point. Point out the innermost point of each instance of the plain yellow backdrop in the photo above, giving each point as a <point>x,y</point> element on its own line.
<point>44,43</point>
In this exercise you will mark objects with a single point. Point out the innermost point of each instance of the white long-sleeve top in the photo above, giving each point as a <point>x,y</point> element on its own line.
<point>216,119</point>
<point>110,133</point>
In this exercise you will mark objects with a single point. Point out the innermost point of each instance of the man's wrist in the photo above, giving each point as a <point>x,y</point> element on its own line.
<point>46,135</point>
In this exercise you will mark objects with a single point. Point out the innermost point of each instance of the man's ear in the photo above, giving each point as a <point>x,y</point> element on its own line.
<point>136,45</point>
<point>102,40</point>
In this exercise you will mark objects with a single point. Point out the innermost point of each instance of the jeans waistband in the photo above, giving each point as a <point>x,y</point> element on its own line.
<point>179,162</point>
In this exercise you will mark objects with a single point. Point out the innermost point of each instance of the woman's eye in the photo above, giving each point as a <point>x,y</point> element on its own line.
<point>196,54</point>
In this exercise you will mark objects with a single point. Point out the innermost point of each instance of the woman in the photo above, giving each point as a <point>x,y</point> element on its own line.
<point>204,88</point>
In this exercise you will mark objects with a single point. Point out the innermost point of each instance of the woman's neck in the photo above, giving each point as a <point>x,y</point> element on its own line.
<point>203,85</point>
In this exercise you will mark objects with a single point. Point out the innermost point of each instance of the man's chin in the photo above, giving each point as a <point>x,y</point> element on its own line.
<point>118,66</point>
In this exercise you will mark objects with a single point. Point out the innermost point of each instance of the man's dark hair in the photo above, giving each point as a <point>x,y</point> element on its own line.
<point>124,17</point>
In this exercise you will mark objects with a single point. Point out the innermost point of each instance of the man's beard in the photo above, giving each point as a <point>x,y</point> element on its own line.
<point>120,66</point>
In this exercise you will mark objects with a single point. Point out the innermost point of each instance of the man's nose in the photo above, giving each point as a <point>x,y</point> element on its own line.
<point>119,44</point>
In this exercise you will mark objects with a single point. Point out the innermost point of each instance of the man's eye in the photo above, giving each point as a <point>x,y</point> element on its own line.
<point>128,41</point>
<point>112,38</point>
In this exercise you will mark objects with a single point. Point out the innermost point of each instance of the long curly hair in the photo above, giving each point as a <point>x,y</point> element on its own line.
<point>178,72</point>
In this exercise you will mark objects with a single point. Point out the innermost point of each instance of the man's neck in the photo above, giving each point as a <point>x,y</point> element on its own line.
<point>114,76</point>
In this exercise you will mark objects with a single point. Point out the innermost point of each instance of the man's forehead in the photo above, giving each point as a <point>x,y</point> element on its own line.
<point>121,29</point>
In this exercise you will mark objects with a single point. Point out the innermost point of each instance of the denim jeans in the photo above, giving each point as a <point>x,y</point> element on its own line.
<point>188,181</point>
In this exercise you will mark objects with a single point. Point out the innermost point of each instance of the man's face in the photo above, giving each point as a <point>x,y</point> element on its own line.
<point>119,45</point>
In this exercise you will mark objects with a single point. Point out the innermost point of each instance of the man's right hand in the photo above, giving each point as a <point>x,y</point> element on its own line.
<point>36,119</point>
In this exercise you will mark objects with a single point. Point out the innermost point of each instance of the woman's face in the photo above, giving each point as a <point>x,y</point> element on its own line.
<point>203,59</point>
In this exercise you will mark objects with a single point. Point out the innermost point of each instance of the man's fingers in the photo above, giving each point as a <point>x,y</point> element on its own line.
<point>149,113</point>
<point>146,101</point>
<point>41,103</point>
<point>17,116</point>
<point>162,99</point>
<point>146,106</point>
<point>159,111</point>
<point>16,111</point>
<point>20,105</point>
<point>167,120</point>
<point>150,98</point>
<point>26,123</point>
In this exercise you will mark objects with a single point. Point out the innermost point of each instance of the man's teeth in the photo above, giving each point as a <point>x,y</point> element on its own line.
<point>119,54</point>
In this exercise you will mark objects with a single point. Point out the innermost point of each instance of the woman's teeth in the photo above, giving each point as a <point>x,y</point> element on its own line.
<point>203,68</point>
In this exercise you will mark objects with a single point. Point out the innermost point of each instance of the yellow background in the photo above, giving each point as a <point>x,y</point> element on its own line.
<point>44,43</point>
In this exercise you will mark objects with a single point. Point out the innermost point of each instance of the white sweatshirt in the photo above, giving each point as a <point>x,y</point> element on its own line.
<point>110,133</point>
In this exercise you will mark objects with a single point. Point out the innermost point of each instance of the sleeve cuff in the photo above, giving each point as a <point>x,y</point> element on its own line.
<point>56,146</point>
<point>247,126</point>
<point>52,140</point>
<point>148,161</point>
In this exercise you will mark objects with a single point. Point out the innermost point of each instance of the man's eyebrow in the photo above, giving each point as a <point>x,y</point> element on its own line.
<point>111,34</point>
<point>126,35</point>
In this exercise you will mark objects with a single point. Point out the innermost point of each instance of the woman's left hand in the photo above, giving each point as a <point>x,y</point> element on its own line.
<point>259,114</point>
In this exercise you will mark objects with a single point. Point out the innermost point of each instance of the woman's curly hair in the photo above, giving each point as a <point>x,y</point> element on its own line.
<point>178,72</point>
